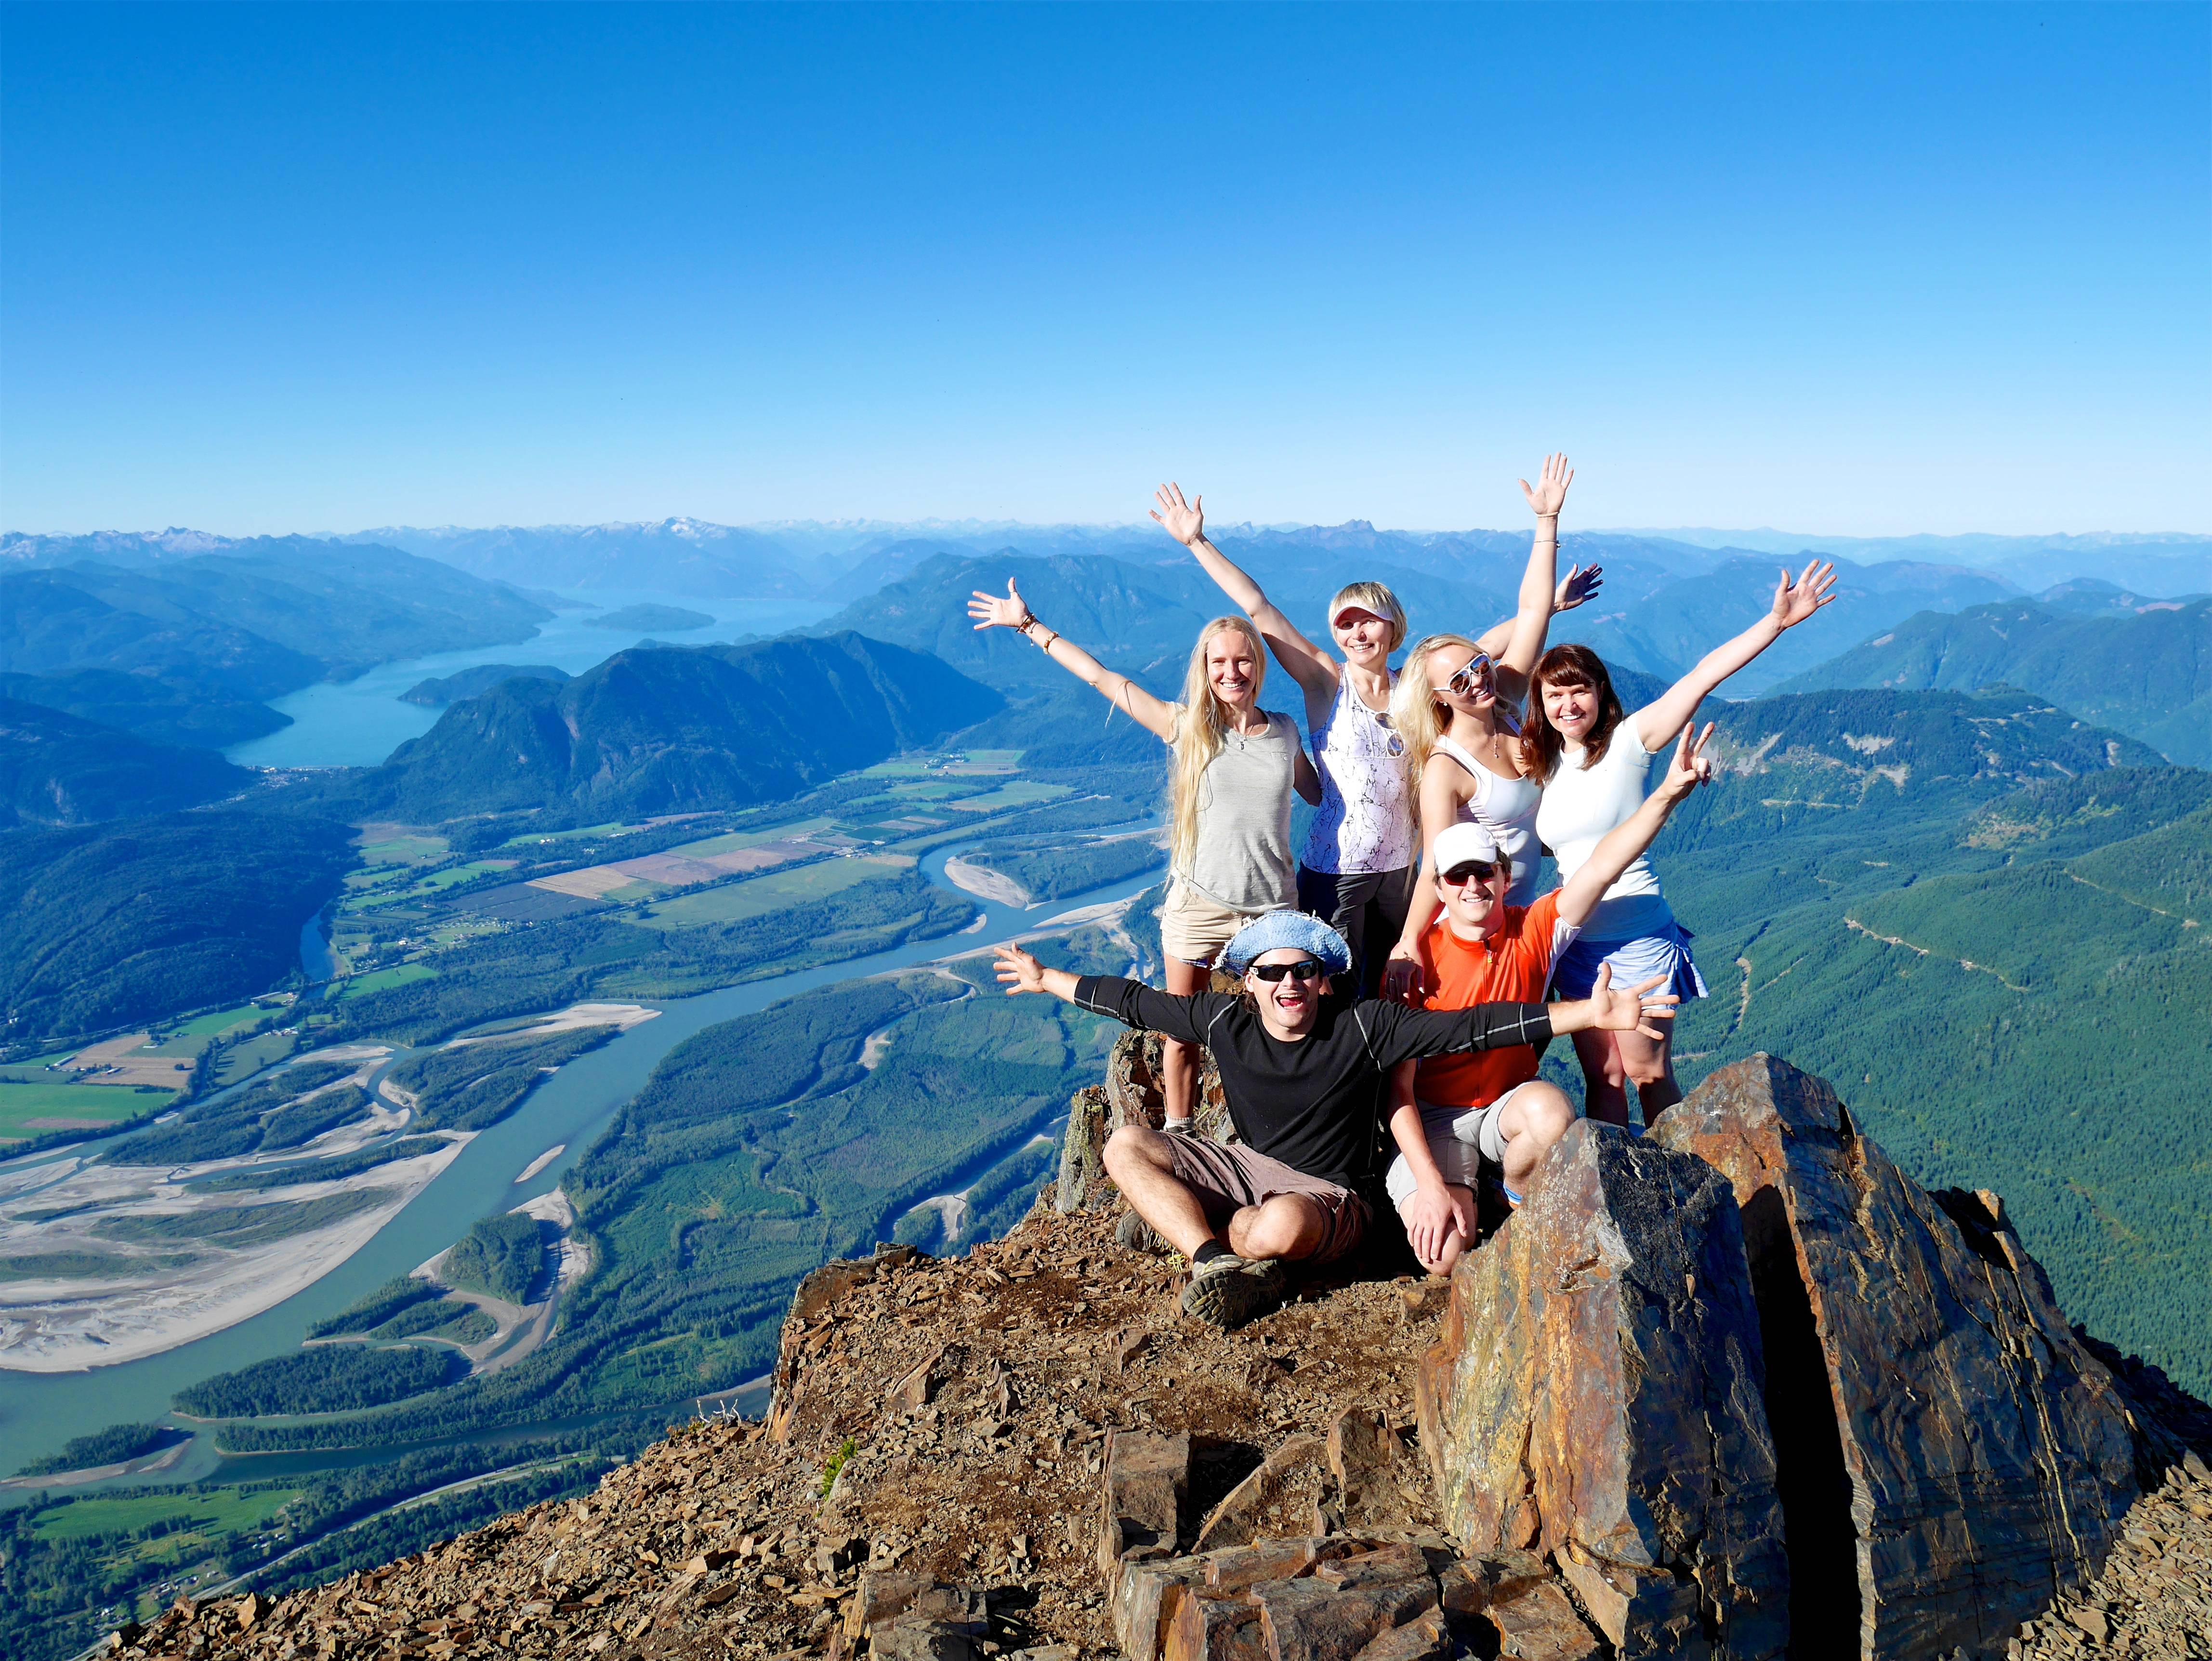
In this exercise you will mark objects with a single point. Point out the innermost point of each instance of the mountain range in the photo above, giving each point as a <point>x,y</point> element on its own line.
<point>2145,669</point>
<point>664,729</point>
<point>57,768</point>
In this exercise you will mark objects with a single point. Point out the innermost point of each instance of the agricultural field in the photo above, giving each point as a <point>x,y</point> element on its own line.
<point>31,1107</point>
<point>1022,792</point>
<point>773,892</point>
<point>378,979</point>
<point>204,1511</point>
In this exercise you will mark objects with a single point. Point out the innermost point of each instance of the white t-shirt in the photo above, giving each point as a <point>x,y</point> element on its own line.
<point>1581,805</point>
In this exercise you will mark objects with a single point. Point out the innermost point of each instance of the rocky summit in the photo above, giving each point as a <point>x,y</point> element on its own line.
<point>1740,1388</point>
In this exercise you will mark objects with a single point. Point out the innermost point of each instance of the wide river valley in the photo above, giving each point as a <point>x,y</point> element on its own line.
<point>348,724</point>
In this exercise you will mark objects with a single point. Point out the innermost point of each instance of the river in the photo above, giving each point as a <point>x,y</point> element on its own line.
<point>40,1412</point>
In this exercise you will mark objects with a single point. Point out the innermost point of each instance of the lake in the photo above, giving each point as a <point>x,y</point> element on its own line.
<point>357,723</point>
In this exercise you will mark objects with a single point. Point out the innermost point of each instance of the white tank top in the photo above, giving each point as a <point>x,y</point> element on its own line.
<point>1365,820</point>
<point>1507,809</point>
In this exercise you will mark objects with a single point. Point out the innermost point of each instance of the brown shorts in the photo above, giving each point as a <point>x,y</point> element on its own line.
<point>1226,1177</point>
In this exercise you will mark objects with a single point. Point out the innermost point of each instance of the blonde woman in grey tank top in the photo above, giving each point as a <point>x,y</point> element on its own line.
<point>1235,767</point>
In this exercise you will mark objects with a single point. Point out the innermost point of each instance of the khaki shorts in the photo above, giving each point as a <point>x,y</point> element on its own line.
<point>1460,1139</point>
<point>1226,1177</point>
<point>1195,927</point>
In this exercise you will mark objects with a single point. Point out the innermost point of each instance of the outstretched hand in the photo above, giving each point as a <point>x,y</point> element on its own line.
<point>1577,586</point>
<point>1795,601</point>
<point>1185,521</point>
<point>1630,1008</point>
<point>1551,489</point>
<point>993,611</point>
<point>1019,971</point>
<point>1690,766</point>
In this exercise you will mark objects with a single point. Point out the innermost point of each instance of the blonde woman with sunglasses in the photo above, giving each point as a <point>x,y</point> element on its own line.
<point>1454,709</point>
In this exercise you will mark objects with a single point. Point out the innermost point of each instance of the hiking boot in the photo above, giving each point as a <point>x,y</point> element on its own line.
<point>1135,1232</point>
<point>1228,1291</point>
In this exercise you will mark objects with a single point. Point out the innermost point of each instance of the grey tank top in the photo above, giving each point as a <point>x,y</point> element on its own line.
<point>1242,859</point>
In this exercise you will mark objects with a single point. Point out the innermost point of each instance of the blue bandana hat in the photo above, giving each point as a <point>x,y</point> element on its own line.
<point>1295,930</point>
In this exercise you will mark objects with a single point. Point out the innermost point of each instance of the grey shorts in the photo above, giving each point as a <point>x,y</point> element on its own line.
<point>1460,1139</point>
<point>1227,1177</point>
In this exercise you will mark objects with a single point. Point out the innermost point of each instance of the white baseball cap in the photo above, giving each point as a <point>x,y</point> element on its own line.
<point>1455,844</point>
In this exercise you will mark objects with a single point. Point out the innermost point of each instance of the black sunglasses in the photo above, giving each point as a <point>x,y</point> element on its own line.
<point>1306,969</point>
<point>1470,871</point>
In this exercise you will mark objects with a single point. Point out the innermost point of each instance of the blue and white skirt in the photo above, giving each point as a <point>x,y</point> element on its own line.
<point>1633,962</point>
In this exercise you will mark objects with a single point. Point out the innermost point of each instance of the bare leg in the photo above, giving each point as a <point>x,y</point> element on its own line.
<point>1455,1242</point>
<point>1140,1160</point>
<point>1531,1123</point>
<point>1288,1225</point>
<point>1179,1060</point>
<point>1650,1065</point>
<point>1605,1077</point>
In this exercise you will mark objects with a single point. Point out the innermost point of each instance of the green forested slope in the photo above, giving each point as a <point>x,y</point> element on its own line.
<point>1980,971</point>
<point>59,768</point>
<point>171,913</point>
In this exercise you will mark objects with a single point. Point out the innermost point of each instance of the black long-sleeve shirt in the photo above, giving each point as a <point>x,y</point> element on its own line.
<point>1314,1103</point>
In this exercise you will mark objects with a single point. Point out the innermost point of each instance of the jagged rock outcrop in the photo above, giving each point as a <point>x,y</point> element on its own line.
<point>1952,1457</point>
<point>1597,1393</point>
<point>1131,1095</point>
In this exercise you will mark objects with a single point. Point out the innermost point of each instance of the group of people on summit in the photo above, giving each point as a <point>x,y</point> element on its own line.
<point>1397,972</point>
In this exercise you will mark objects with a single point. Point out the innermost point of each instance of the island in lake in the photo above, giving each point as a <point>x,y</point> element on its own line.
<point>674,618</point>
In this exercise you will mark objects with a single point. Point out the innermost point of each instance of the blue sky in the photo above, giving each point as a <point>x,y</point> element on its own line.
<point>1865,270</point>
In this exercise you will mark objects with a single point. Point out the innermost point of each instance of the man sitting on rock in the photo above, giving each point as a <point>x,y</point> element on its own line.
<point>1305,1072</point>
<point>1451,1111</point>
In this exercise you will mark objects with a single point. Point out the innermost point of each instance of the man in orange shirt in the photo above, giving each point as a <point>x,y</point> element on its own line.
<point>1451,1111</point>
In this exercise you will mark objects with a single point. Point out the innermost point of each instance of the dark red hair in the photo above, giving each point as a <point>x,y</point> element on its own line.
<point>1568,665</point>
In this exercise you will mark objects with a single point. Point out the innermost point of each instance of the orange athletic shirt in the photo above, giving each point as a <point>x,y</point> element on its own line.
<point>1511,965</point>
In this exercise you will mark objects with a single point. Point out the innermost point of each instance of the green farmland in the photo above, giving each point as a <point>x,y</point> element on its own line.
<point>772,892</point>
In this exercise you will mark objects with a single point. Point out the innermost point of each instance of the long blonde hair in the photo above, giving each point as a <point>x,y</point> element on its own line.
<point>1200,720</point>
<point>1418,714</point>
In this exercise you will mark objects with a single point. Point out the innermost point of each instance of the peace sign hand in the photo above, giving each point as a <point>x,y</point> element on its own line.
<point>990,611</point>
<point>1690,766</point>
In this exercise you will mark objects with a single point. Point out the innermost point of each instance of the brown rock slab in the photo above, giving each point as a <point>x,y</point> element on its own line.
<point>1372,1468</point>
<point>1209,1626</point>
<point>1308,1620</point>
<point>1537,1622</point>
<point>1426,1637</point>
<point>1952,1456</point>
<point>1083,1184</point>
<point>1147,1474</point>
<point>1273,1500</point>
<point>1597,1385</point>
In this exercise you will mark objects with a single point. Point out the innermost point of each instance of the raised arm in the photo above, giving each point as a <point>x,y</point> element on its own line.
<point>1313,670</point>
<point>1794,601</point>
<point>1531,619</point>
<point>1577,586</point>
<point>1012,611</point>
<point>1632,835</point>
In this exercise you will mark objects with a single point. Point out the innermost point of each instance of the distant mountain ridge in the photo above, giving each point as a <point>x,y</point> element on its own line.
<point>261,618</point>
<point>668,728</point>
<point>2145,671</point>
